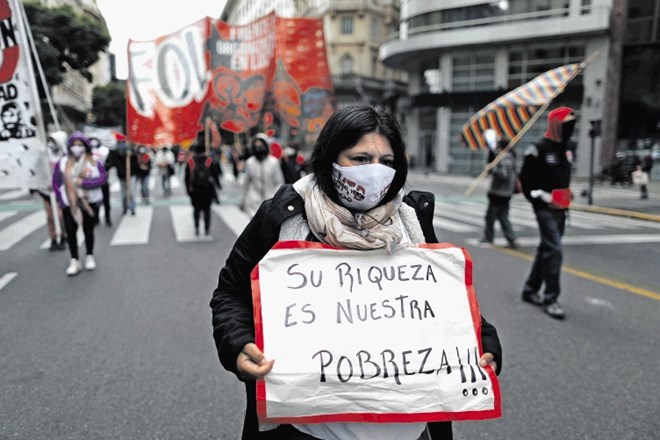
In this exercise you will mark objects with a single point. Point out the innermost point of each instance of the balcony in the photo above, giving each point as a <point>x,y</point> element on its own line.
<point>409,45</point>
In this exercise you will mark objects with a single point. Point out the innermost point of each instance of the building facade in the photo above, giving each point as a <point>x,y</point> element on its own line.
<point>462,54</point>
<point>354,31</point>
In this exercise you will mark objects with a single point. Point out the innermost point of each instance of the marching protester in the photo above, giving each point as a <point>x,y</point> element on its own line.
<point>143,171</point>
<point>364,144</point>
<point>202,180</point>
<point>77,180</point>
<point>546,179</point>
<point>56,148</point>
<point>101,153</point>
<point>125,162</point>
<point>263,175</point>
<point>502,187</point>
<point>165,162</point>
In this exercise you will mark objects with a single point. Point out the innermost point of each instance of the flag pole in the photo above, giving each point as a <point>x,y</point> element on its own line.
<point>524,130</point>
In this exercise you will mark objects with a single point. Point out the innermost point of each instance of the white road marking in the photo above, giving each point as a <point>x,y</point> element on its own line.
<point>184,228</point>
<point>134,229</point>
<point>233,217</point>
<point>20,229</point>
<point>6,279</point>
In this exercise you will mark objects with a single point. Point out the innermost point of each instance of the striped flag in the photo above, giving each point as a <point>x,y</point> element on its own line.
<point>508,114</point>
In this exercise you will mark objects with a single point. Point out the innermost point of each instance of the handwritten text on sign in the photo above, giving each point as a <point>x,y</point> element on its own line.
<point>370,336</point>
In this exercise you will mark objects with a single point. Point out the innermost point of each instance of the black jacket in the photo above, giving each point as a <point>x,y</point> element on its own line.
<point>231,305</point>
<point>545,167</point>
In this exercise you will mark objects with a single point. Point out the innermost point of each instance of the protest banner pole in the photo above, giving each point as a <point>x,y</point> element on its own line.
<point>502,153</point>
<point>529,123</point>
<point>128,174</point>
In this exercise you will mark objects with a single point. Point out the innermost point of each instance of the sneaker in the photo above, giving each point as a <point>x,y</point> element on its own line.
<point>532,298</point>
<point>555,310</point>
<point>90,264</point>
<point>74,267</point>
<point>54,245</point>
<point>512,245</point>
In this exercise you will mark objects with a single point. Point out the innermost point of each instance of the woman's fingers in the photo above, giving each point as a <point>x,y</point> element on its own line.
<point>488,359</point>
<point>252,362</point>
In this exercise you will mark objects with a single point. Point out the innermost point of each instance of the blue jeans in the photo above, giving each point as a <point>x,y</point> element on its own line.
<point>547,263</point>
<point>498,210</point>
<point>127,204</point>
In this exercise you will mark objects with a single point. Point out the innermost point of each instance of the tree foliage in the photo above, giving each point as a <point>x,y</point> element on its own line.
<point>109,104</point>
<point>66,40</point>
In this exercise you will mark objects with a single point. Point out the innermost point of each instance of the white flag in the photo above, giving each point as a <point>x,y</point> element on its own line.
<point>23,158</point>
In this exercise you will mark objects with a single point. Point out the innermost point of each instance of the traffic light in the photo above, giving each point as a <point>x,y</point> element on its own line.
<point>595,128</point>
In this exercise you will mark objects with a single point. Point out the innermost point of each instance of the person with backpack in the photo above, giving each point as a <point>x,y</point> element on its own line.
<point>201,179</point>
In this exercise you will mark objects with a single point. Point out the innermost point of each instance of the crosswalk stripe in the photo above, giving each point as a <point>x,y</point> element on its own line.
<point>80,236</point>
<point>6,279</point>
<point>6,214</point>
<point>233,217</point>
<point>448,225</point>
<point>20,229</point>
<point>14,194</point>
<point>583,239</point>
<point>134,229</point>
<point>184,228</point>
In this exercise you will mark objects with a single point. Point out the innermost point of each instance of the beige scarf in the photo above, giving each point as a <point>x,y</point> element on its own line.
<point>337,226</point>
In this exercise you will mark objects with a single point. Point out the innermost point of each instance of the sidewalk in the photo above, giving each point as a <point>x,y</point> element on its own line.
<point>613,200</point>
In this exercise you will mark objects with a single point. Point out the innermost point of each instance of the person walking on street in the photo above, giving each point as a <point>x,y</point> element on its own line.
<point>125,162</point>
<point>263,175</point>
<point>641,179</point>
<point>77,181</point>
<point>143,171</point>
<point>363,144</point>
<point>201,179</point>
<point>56,148</point>
<point>102,153</point>
<point>165,162</point>
<point>546,179</point>
<point>502,187</point>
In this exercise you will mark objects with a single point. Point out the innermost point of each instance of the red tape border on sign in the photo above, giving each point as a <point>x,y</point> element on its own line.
<point>496,412</point>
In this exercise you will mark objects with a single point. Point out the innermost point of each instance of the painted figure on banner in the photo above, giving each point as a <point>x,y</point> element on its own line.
<point>363,145</point>
<point>546,180</point>
<point>77,181</point>
<point>14,125</point>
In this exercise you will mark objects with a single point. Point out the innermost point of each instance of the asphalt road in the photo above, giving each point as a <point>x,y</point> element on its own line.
<point>126,352</point>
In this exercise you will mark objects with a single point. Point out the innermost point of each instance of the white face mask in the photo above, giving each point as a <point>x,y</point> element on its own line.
<point>362,187</point>
<point>77,150</point>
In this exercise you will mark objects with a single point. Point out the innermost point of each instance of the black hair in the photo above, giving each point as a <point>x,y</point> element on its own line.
<point>343,130</point>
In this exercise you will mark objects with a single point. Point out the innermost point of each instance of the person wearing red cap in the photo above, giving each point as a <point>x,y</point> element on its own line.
<point>546,179</point>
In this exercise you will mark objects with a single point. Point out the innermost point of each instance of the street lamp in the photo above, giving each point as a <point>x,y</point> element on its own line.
<point>594,132</point>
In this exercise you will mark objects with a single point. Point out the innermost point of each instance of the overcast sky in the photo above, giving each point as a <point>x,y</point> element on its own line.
<point>149,19</point>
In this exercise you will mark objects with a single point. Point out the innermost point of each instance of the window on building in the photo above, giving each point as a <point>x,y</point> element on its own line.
<point>527,63</point>
<point>375,28</point>
<point>346,64</point>
<point>347,25</point>
<point>473,72</point>
<point>586,7</point>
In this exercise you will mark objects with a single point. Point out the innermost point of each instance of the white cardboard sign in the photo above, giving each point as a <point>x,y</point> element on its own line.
<point>370,336</point>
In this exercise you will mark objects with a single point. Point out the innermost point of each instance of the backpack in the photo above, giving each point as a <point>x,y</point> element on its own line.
<point>200,176</point>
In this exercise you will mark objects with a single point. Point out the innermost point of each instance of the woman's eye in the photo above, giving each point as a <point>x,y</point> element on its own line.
<point>388,162</point>
<point>360,159</point>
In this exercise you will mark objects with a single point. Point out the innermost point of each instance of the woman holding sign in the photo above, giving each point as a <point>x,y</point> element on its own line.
<point>353,200</point>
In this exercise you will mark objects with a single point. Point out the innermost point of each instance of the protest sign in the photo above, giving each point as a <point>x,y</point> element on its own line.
<point>370,336</point>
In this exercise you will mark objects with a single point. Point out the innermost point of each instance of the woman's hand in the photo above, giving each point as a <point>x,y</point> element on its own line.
<point>488,359</point>
<point>252,363</point>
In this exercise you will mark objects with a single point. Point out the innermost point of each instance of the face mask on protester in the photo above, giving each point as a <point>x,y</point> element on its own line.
<point>362,187</point>
<point>77,150</point>
<point>261,153</point>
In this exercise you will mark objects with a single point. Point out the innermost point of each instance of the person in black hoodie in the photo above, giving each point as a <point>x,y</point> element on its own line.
<point>357,140</point>
<point>546,179</point>
<point>201,179</point>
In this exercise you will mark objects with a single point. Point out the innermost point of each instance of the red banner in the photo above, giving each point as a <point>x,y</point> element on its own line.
<point>269,74</point>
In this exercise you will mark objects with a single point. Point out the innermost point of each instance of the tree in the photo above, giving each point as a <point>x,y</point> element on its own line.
<point>66,40</point>
<point>109,104</point>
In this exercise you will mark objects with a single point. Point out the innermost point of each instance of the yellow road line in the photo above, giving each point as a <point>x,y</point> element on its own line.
<point>596,278</point>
